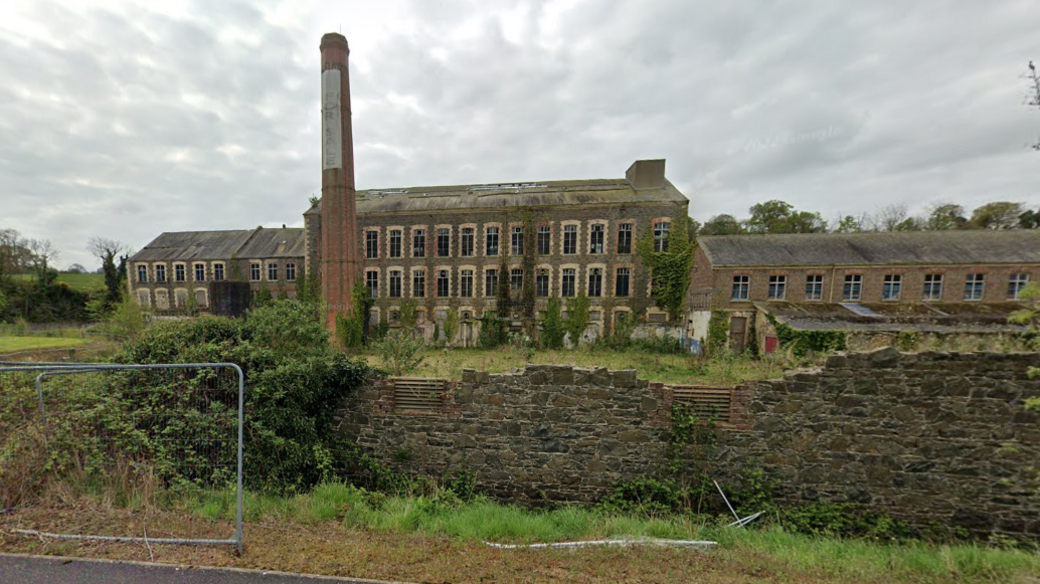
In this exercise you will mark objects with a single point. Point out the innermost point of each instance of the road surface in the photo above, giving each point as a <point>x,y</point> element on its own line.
<point>19,569</point>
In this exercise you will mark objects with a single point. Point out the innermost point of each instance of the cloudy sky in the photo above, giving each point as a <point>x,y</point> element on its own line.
<point>126,119</point>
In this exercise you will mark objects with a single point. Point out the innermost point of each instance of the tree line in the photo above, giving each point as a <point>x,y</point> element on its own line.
<point>778,216</point>
<point>29,287</point>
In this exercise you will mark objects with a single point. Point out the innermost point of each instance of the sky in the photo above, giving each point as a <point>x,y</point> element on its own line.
<point>124,119</point>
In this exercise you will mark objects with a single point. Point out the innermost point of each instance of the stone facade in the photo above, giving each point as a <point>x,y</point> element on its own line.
<point>930,437</point>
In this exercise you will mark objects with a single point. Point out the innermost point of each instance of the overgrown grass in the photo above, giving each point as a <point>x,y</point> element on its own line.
<point>10,344</point>
<point>668,368</point>
<point>484,520</point>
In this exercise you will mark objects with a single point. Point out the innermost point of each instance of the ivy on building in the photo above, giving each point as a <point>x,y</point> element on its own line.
<point>801,343</point>
<point>670,268</point>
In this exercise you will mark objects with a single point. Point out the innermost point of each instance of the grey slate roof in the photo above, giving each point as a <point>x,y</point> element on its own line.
<point>533,194</point>
<point>222,245</point>
<point>915,247</point>
<point>938,317</point>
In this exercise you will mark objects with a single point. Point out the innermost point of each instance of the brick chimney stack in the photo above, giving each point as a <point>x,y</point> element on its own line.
<point>339,235</point>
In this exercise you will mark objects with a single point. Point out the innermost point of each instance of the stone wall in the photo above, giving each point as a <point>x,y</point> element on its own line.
<point>930,437</point>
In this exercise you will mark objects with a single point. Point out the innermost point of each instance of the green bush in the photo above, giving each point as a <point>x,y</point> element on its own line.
<point>399,351</point>
<point>552,326</point>
<point>294,382</point>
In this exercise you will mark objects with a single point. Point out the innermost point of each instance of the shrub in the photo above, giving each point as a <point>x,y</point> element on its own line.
<point>399,351</point>
<point>552,326</point>
<point>294,383</point>
<point>577,317</point>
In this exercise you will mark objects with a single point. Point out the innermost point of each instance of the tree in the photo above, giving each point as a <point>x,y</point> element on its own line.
<point>1033,99</point>
<point>76,269</point>
<point>849,224</point>
<point>1029,219</point>
<point>451,325</point>
<point>768,217</point>
<point>894,217</point>
<point>671,269</point>
<point>946,216</point>
<point>997,215</point>
<point>43,254</point>
<point>108,251</point>
<point>721,225</point>
<point>552,325</point>
<point>577,317</point>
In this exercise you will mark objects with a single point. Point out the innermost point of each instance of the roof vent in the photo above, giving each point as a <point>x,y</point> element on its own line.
<point>646,174</point>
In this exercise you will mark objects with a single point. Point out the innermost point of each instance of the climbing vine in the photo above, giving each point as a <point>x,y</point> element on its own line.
<point>801,343</point>
<point>718,332</point>
<point>670,268</point>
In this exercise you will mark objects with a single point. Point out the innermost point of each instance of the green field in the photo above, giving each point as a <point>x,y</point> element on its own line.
<point>17,344</point>
<point>80,282</point>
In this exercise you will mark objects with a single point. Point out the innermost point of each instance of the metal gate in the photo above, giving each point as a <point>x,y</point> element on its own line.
<point>181,423</point>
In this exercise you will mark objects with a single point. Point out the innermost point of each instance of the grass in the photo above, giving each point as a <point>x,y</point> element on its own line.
<point>78,282</point>
<point>668,368</point>
<point>770,548</point>
<point>12,344</point>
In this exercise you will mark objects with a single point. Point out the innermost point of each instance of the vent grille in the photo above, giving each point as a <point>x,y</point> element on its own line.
<point>707,403</point>
<point>418,394</point>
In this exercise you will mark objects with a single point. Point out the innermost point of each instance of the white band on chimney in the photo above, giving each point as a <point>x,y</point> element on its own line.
<point>331,123</point>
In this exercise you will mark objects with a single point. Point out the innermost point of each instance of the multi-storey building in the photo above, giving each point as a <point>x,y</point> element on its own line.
<point>448,247</point>
<point>930,280</point>
<point>173,272</point>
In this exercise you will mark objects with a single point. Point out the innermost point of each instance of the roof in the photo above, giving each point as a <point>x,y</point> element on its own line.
<point>222,245</point>
<point>911,247</point>
<point>496,196</point>
<point>944,317</point>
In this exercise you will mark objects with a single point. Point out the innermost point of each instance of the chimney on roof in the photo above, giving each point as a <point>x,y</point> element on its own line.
<point>646,174</point>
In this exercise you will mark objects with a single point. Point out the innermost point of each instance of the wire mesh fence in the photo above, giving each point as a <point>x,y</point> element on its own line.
<point>143,445</point>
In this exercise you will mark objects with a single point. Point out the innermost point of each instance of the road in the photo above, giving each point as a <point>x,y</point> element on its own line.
<point>19,569</point>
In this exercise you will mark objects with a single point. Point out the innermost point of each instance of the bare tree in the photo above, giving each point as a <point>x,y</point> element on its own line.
<point>44,253</point>
<point>894,217</point>
<point>108,251</point>
<point>1033,97</point>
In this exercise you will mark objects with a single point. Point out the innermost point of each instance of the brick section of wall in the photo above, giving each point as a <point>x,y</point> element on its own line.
<point>920,436</point>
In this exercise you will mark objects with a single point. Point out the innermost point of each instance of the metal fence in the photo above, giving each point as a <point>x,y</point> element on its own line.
<point>170,428</point>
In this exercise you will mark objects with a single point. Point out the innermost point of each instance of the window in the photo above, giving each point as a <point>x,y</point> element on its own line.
<point>395,283</point>
<point>395,243</point>
<point>443,243</point>
<point>740,286</point>
<point>661,236</point>
<point>200,272</point>
<point>142,297</point>
<point>814,287</point>
<point>418,243</point>
<point>891,287</point>
<point>490,281</point>
<point>516,279</point>
<point>200,298</point>
<point>777,287</point>
<point>442,283</point>
<point>570,239</point>
<point>567,282</point>
<point>624,238</point>
<point>491,241</point>
<point>290,271</point>
<point>371,244</point>
<point>142,276</point>
<point>853,288</point>
<point>517,241</point>
<point>1015,283</point>
<point>974,286</point>
<point>372,281</point>
<point>160,273</point>
<point>466,283</point>
<point>541,283</point>
<point>596,238</point>
<point>933,286</point>
<point>419,283</point>
<point>467,242</point>
<point>621,281</point>
<point>178,272</point>
<point>272,272</point>
<point>595,282</point>
<point>544,236</point>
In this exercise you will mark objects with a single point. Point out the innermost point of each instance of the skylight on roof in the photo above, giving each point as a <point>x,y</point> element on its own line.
<point>508,186</point>
<point>859,309</point>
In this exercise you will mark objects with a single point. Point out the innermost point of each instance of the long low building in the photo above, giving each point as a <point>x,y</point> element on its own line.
<point>932,276</point>
<point>172,273</point>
